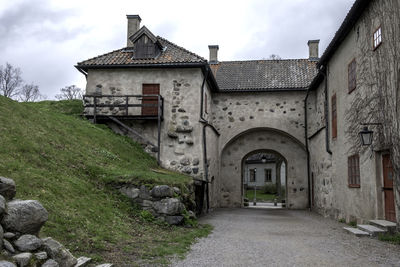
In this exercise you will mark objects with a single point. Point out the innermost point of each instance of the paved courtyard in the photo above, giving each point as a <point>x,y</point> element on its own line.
<point>276,237</point>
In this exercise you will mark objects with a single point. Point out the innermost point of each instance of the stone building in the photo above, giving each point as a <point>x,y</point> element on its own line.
<point>206,118</point>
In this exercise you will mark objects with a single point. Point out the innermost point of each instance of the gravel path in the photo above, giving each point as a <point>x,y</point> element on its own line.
<point>260,237</point>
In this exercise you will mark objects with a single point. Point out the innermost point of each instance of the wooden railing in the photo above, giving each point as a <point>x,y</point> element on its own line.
<point>129,106</point>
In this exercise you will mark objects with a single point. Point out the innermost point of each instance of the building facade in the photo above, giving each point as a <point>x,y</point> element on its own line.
<point>205,118</point>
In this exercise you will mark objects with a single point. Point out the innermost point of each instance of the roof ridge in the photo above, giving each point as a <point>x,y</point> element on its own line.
<point>266,60</point>
<point>180,47</point>
<point>102,55</point>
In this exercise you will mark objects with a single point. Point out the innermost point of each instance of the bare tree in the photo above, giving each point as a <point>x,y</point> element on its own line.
<point>10,80</point>
<point>69,93</point>
<point>274,57</point>
<point>29,93</point>
<point>379,78</point>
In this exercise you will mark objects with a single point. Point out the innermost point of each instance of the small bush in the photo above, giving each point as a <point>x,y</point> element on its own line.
<point>353,223</point>
<point>342,220</point>
<point>395,239</point>
<point>269,189</point>
<point>147,216</point>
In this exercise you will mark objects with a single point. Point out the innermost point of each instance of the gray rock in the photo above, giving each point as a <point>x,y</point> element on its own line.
<point>174,220</point>
<point>172,134</point>
<point>105,265</point>
<point>58,252</point>
<point>144,192</point>
<point>1,236</point>
<point>185,161</point>
<point>177,190</point>
<point>7,264</point>
<point>168,206</point>
<point>83,261</point>
<point>189,141</point>
<point>27,243</point>
<point>160,191</point>
<point>2,205</point>
<point>146,204</point>
<point>7,188</point>
<point>130,191</point>
<point>23,259</point>
<point>187,170</point>
<point>25,216</point>
<point>196,161</point>
<point>8,246</point>
<point>9,235</point>
<point>192,215</point>
<point>184,129</point>
<point>50,263</point>
<point>41,256</point>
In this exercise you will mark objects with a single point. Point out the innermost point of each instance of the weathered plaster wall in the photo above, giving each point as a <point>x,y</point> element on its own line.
<point>234,113</point>
<point>333,196</point>
<point>181,134</point>
<point>263,139</point>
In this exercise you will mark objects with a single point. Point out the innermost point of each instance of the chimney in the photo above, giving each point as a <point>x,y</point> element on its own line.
<point>213,54</point>
<point>313,49</point>
<point>133,26</point>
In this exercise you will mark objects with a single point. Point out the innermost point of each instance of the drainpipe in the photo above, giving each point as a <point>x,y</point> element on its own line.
<point>324,72</point>
<point>307,149</point>
<point>205,122</point>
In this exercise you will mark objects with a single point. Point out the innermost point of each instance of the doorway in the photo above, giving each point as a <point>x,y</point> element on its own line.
<point>390,211</point>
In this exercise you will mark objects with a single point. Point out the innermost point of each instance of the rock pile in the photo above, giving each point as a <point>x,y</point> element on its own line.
<point>162,201</point>
<point>19,229</point>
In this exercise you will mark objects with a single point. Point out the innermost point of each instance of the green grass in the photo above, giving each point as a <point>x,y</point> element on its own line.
<point>260,196</point>
<point>70,165</point>
<point>392,238</point>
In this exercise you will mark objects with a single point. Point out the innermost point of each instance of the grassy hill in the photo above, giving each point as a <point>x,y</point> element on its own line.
<point>67,164</point>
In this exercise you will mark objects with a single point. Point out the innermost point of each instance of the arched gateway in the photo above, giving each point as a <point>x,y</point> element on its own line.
<point>263,139</point>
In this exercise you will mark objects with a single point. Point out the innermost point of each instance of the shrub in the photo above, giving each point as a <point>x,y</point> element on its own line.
<point>270,189</point>
<point>146,215</point>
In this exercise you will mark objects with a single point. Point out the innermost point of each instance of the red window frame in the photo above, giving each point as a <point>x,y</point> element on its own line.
<point>353,166</point>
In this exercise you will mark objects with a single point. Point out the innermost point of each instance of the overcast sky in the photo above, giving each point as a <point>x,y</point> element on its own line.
<point>47,38</point>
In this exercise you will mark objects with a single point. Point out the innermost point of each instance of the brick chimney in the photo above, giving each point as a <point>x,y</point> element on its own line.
<point>213,54</point>
<point>133,26</point>
<point>313,49</point>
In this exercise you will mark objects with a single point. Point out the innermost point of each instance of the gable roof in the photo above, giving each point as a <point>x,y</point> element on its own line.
<point>264,75</point>
<point>172,55</point>
<point>147,32</point>
<point>351,18</point>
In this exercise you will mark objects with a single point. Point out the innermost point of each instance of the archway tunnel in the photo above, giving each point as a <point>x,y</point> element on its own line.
<point>286,149</point>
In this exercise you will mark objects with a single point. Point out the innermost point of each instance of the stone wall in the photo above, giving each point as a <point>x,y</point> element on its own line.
<point>181,133</point>
<point>266,140</point>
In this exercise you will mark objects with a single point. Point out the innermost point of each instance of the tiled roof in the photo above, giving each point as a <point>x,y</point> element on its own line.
<point>264,75</point>
<point>171,55</point>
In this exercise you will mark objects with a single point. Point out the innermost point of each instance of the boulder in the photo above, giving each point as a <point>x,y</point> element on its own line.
<point>41,256</point>
<point>168,206</point>
<point>83,261</point>
<point>105,265</point>
<point>8,246</point>
<point>7,264</point>
<point>2,205</point>
<point>7,188</point>
<point>9,235</point>
<point>23,259</point>
<point>130,192</point>
<point>144,192</point>
<point>25,216</point>
<point>174,220</point>
<point>50,263</point>
<point>27,243</point>
<point>161,191</point>
<point>58,252</point>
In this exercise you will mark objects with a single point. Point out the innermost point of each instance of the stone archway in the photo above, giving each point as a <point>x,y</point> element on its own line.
<point>291,149</point>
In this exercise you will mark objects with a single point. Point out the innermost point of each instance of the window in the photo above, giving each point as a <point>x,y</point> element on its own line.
<point>353,166</point>
<point>334,116</point>
<point>150,103</point>
<point>377,37</point>
<point>268,175</point>
<point>352,75</point>
<point>252,175</point>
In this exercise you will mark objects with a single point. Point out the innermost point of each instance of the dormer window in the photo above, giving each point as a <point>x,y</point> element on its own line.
<point>145,44</point>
